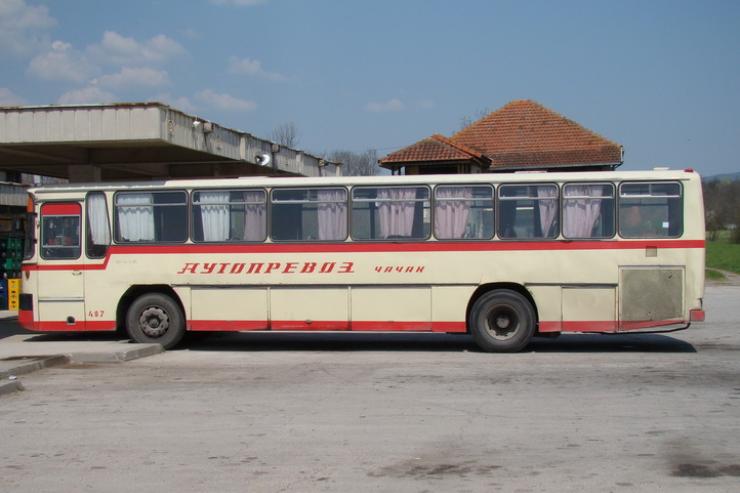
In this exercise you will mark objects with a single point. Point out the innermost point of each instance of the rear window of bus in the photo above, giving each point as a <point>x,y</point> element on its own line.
<point>650,210</point>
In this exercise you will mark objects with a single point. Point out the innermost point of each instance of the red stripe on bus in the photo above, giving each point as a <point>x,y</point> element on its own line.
<point>603,325</point>
<point>327,325</point>
<point>228,325</point>
<point>60,210</point>
<point>431,246</point>
<point>63,326</point>
<point>25,318</point>
<point>313,325</point>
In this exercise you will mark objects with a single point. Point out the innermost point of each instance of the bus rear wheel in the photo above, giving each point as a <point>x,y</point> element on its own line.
<point>502,321</point>
<point>155,318</point>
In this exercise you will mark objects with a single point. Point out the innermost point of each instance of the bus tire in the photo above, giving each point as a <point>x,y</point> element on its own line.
<point>502,321</point>
<point>155,318</point>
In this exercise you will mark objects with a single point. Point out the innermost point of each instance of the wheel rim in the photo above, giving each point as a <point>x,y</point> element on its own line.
<point>154,321</point>
<point>502,322</point>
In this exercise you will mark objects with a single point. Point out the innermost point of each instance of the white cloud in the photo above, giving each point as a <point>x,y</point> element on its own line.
<point>23,27</point>
<point>252,67</point>
<point>87,95</point>
<point>121,50</point>
<point>238,3</point>
<point>134,76</point>
<point>61,62</point>
<point>394,104</point>
<point>225,102</point>
<point>9,98</point>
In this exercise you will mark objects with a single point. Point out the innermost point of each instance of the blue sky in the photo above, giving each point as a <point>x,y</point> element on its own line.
<point>662,78</point>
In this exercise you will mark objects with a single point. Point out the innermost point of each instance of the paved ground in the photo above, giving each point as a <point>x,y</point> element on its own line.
<point>280,412</point>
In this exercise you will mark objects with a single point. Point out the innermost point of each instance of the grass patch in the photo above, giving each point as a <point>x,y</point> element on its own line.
<point>724,256</point>
<point>715,275</point>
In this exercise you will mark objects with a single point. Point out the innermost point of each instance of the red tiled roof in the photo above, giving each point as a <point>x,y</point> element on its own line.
<point>524,133</point>
<point>431,149</point>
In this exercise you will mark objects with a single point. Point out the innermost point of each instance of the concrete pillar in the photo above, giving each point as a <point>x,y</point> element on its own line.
<point>83,173</point>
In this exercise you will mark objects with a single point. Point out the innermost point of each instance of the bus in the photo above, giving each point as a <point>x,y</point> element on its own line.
<point>502,257</point>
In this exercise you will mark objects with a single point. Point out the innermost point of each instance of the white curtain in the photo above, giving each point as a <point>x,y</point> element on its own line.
<point>97,219</point>
<point>255,222</point>
<point>580,214</point>
<point>214,215</point>
<point>451,216</point>
<point>332,214</point>
<point>136,219</point>
<point>548,206</point>
<point>396,212</point>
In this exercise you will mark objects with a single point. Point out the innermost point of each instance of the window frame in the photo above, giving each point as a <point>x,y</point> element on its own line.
<point>87,223</point>
<point>191,214</point>
<point>456,185</point>
<point>651,182</point>
<point>41,229</point>
<point>615,191</point>
<point>559,218</point>
<point>393,240</point>
<point>115,224</point>
<point>271,213</point>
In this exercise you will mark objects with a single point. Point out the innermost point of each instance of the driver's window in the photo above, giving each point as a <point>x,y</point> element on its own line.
<point>60,231</point>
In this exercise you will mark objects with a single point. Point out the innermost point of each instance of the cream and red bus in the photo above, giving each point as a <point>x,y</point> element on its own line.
<point>503,257</point>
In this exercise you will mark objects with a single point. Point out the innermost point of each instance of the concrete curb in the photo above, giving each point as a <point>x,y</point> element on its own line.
<point>31,364</point>
<point>117,356</point>
<point>9,386</point>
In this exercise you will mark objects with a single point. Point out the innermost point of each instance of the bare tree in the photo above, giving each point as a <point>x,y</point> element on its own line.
<point>286,135</point>
<point>467,120</point>
<point>357,163</point>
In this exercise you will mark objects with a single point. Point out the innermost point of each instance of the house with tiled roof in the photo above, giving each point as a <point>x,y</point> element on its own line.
<point>522,135</point>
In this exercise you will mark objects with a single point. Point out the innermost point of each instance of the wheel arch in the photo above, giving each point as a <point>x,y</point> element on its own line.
<point>138,290</point>
<point>493,286</point>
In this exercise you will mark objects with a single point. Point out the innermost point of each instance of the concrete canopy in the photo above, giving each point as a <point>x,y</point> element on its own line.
<point>138,141</point>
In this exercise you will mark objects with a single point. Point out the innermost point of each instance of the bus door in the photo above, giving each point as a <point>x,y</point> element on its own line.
<point>61,285</point>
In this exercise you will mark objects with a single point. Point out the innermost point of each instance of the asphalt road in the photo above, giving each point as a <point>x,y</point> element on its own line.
<point>416,413</point>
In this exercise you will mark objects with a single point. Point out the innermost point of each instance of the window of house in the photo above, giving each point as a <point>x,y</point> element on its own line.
<point>463,212</point>
<point>151,217</point>
<point>650,210</point>
<point>588,210</point>
<point>390,213</point>
<point>229,215</point>
<point>309,214</point>
<point>528,211</point>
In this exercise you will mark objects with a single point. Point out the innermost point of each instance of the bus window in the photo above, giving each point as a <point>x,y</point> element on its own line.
<point>98,227</point>
<point>650,210</point>
<point>528,211</point>
<point>588,210</point>
<point>390,213</point>
<point>463,212</point>
<point>318,214</point>
<point>229,215</point>
<point>60,231</point>
<point>146,217</point>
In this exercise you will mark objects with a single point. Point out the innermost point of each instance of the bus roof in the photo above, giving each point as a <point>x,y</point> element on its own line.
<point>269,182</point>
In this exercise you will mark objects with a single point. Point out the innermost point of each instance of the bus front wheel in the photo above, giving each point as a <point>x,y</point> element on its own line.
<point>155,318</point>
<point>502,321</point>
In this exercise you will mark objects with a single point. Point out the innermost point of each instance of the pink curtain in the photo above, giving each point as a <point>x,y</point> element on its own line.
<point>548,207</point>
<point>451,216</point>
<point>332,214</point>
<point>255,222</point>
<point>581,212</point>
<point>396,211</point>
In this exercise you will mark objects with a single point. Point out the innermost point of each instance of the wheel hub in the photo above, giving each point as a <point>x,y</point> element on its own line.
<point>502,322</point>
<point>154,322</point>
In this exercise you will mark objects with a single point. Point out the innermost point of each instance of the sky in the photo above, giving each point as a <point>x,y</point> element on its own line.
<point>662,78</point>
